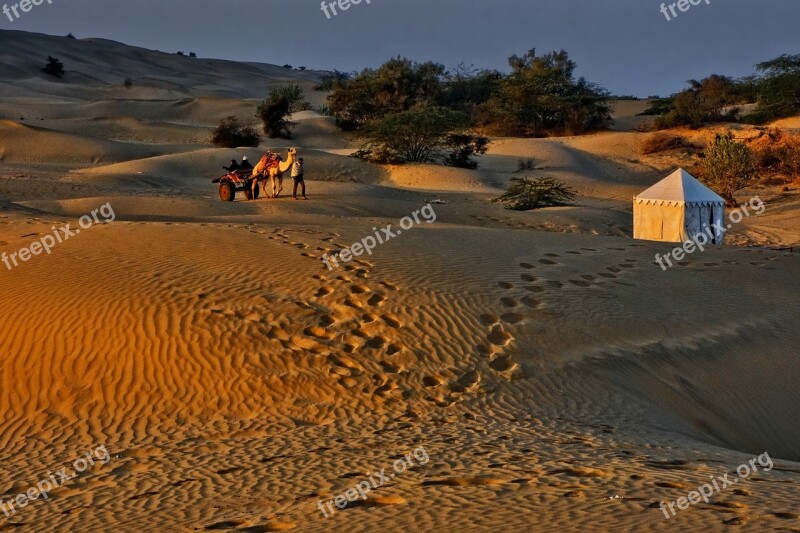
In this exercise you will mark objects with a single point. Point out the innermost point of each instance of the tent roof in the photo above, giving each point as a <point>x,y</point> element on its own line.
<point>679,188</point>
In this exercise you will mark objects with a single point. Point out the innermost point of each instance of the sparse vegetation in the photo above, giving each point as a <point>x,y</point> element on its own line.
<point>128,83</point>
<point>416,135</point>
<point>275,110</point>
<point>777,156</point>
<point>54,67</point>
<point>728,167</point>
<point>233,134</point>
<point>462,149</point>
<point>524,194</point>
<point>526,164</point>
<point>542,97</point>
<point>663,142</point>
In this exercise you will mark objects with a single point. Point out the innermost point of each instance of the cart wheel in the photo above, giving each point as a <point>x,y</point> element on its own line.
<point>248,193</point>
<point>227,191</point>
<point>256,192</point>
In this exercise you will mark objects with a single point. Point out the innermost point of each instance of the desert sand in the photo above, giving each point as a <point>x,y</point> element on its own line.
<point>556,378</point>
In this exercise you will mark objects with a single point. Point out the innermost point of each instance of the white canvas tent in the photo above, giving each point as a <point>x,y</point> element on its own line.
<point>677,209</point>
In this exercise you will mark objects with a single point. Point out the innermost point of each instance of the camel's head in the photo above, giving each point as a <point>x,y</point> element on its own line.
<point>293,151</point>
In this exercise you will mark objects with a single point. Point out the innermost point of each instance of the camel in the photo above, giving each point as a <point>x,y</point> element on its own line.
<point>264,170</point>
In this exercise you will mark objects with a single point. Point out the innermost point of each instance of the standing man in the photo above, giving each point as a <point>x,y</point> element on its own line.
<point>297,179</point>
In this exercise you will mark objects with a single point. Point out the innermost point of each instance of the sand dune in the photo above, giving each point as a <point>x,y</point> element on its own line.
<point>556,378</point>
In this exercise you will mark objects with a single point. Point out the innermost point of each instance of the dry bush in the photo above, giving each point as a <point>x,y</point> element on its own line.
<point>777,157</point>
<point>663,142</point>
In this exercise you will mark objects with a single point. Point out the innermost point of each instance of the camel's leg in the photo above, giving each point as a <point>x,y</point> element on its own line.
<point>264,191</point>
<point>254,186</point>
<point>280,183</point>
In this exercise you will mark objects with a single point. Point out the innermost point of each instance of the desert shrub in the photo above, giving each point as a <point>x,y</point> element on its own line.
<point>462,149</point>
<point>232,134</point>
<point>54,67</point>
<point>524,164</point>
<point>778,155</point>
<point>704,101</point>
<point>275,110</point>
<point>294,94</point>
<point>331,79</point>
<point>128,83</point>
<point>728,167</point>
<point>417,135</point>
<point>524,194</point>
<point>662,142</point>
<point>70,36</point>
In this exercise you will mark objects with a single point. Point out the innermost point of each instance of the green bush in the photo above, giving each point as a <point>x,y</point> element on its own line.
<point>524,194</point>
<point>275,110</point>
<point>542,97</point>
<point>232,134</point>
<point>728,167</point>
<point>416,135</point>
<point>462,149</point>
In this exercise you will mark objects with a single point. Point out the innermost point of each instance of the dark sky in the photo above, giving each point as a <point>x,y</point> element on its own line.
<point>628,46</point>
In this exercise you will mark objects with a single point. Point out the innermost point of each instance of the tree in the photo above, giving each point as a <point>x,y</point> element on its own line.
<point>397,86</point>
<point>54,67</point>
<point>275,110</point>
<point>524,194</point>
<point>704,101</point>
<point>542,96</point>
<point>778,87</point>
<point>294,94</point>
<point>728,166</point>
<point>233,134</point>
<point>416,135</point>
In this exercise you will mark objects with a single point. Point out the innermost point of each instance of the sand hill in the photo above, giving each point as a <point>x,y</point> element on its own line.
<point>554,376</point>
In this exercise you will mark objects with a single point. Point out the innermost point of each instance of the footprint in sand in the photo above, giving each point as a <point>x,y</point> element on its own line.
<point>393,349</point>
<point>509,302</point>
<point>318,332</point>
<point>432,381</point>
<point>324,291</point>
<point>360,289</point>
<point>376,342</point>
<point>326,321</point>
<point>534,288</point>
<point>498,336</point>
<point>531,302</point>
<point>607,275</point>
<point>505,285</point>
<point>511,318</point>
<point>503,363</point>
<point>392,321</point>
<point>528,277</point>
<point>580,283</point>
<point>547,262</point>
<point>555,284</point>
<point>376,300</point>
<point>527,265</point>
<point>390,286</point>
<point>489,320</point>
